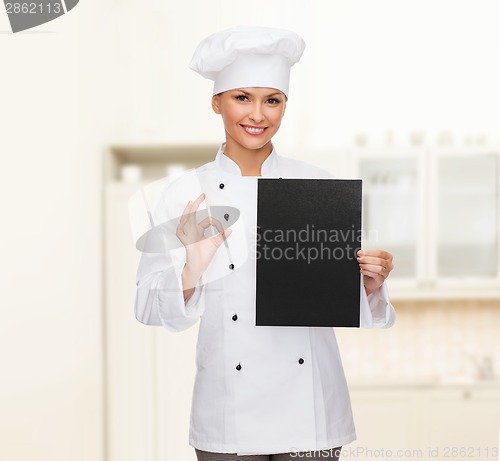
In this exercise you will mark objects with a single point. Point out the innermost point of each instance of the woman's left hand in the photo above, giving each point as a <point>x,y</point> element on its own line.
<point>376,266</point>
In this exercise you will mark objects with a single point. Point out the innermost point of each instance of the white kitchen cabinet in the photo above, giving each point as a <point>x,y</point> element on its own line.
<point>436,210</point>
<point>463,423</point>
<point>130,353</point>
<point>465,219</point>
<point>416,422</point>
<point>386,420</point>
<point>393,212</point>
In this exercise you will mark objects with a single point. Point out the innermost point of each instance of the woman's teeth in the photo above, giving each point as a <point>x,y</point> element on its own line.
<point>252,130</point>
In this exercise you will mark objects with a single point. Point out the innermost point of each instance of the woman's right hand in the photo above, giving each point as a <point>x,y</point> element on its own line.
<point>199,249</point>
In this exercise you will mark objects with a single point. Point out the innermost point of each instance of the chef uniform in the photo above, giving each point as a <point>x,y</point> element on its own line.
<point>258,389</point>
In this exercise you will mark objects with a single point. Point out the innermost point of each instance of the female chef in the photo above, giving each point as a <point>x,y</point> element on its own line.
<point>260,393</point>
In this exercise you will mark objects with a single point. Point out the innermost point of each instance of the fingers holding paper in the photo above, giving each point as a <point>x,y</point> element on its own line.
<point>375,265</point>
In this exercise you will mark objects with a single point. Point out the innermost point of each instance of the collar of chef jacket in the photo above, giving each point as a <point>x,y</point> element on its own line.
<point>268,168</point>
<point>239,241</point>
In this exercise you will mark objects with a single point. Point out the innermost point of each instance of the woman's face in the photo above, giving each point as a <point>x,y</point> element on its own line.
<point>251,116</point>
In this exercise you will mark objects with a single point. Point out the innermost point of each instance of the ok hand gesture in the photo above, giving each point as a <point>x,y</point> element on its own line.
<point>199,249</point>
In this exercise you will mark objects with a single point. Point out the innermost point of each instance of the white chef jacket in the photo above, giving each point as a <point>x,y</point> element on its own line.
<point>258,389</point>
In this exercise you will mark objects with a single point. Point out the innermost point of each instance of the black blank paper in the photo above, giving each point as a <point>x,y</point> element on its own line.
<point>308,233</point>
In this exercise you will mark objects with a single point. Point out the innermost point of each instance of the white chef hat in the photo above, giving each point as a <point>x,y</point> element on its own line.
<point>248,56</point>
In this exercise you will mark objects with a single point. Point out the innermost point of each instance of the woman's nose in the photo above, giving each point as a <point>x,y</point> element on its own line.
<point>257,115</point>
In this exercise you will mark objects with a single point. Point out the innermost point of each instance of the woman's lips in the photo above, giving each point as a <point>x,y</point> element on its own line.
<point>254,130</point>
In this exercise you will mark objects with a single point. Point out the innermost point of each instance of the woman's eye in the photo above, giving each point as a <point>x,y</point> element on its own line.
<point>241,97</point>
<point>273,101</point>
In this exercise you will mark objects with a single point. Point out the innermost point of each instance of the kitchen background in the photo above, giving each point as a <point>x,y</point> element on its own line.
<point>100,102</point>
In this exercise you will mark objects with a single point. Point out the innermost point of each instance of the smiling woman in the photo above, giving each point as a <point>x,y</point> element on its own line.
<point>251,117</point>
<point>260,393</point>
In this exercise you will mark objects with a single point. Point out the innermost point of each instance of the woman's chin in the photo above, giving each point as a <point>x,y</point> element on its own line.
<point>255,144</point>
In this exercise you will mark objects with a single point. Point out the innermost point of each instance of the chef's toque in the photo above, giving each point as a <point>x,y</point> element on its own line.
<point>248,56</point>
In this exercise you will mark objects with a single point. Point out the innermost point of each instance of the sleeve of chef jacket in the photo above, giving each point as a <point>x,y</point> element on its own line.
<point>376,309</point>
<point>159,298</point>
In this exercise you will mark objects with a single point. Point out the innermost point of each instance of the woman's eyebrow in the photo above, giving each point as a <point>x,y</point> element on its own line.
<point>267,96</point>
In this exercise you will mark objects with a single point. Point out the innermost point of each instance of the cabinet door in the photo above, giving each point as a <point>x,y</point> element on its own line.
<point>130,347</point>
<point>466,218</point>
<point>463,423</point>
<point>386,423</point>
<point>392,215</point>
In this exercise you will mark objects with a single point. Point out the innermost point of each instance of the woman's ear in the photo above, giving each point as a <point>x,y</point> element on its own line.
<point>216,103</point>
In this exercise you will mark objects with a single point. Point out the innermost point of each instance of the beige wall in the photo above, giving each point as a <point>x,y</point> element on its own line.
<point>50,297</point>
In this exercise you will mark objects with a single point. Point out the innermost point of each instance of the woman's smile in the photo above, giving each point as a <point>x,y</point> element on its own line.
<point>254,130</point>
